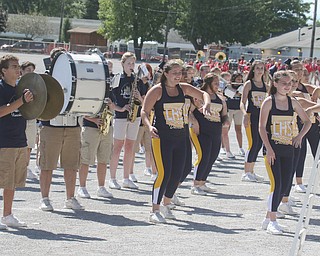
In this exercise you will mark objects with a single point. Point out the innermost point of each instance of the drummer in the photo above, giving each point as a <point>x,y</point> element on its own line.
<point>13,142</point>
<point>59,137</point>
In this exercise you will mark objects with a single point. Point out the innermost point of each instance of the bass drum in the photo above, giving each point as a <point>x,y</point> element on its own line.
<point>84,80</point>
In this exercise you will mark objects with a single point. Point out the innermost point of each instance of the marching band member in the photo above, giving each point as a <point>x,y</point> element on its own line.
<point>168,134</point>
<point>13,141</point>
<point>59,137</point>
<point>254,92</point>
<point>276,130</point>
<point>309,92</point>
<point>125,132</point>
<point>96,141</point>
<point>31,130</point>
<point>233,104</point>
<point>207,139</point>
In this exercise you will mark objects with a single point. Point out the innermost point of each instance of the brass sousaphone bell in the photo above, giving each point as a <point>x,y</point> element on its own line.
<point>48,97</point>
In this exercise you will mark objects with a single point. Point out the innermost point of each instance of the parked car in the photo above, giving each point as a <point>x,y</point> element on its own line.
<point>25,46</point>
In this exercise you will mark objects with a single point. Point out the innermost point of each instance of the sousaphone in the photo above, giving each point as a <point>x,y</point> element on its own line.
<point>48,97</point>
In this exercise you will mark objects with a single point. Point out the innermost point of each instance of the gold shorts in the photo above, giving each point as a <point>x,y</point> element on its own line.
<point>13,167</point>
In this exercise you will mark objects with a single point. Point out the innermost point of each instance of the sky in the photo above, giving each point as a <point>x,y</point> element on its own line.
<point>312,9</point>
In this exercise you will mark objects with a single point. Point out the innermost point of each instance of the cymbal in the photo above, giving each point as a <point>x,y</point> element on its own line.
<point>37,86</point>
<point>55,98</point>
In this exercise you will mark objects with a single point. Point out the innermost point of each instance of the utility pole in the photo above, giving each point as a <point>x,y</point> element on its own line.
<point>61,20</point>
<point>313,27</point>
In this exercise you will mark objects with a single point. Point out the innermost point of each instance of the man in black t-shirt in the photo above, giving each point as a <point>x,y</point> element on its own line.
<point>13,142</point>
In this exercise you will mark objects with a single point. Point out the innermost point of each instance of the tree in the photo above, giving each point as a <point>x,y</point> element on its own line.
<point>73,8</point>
<point>3,20</point>
<point>243,21</point>
<point>133,20</point>
<point>66,26</point>
<point>31,26</point>
<point>91,9</point>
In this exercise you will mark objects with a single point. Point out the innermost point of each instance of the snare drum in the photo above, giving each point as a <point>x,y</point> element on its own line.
<point>84,80</point>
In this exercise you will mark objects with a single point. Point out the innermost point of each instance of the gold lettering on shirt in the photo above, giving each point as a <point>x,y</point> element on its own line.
<point>258,98</point>
<point>173,114</point>
<point>282,129</point>
<point>186,108</point>
<point>215,109</point>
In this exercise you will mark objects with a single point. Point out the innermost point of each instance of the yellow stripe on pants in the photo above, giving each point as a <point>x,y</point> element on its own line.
<point>158,161</point>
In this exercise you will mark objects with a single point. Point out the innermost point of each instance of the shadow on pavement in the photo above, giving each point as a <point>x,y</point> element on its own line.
<point>112,220</point>
<point>37,234</point>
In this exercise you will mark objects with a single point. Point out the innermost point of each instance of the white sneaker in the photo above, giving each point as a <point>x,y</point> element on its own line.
<point>45,204</point>
<point>147,172</point>
<point>230,155</point>
<point>280,215</point>
<point>223,151</point>
<point>219,159</point>
<point>102,192</point>
<point>113,184</point>
<point>258,177</point>
<point>129,184</point>
<point>198,191</point>
<point>32,175</point>
<point>177,201</point>
<point>242,152</point>
<point>266,222</point>
<point>133,178</point>
<point>153,177</point>
<point>207,189</point>
<point>73,204</point>
<point>300,188</point>
<point>249,177</point>
<point>3,226</point>
<point>12,221</point>
<point>171,206</point>
<point>286,208</point>
<point>83,192</point>
<point>166,212</point>
<point>273,228</point>
<point>142,150</point>
<point>156,217</point>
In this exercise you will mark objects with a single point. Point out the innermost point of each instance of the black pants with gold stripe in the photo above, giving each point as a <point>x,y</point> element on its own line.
<point>279,174</point>
<point>170,155</point>
<point>207,149</point>
<point>254,139</point>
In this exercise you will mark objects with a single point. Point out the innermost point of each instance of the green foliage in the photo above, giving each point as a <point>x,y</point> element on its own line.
<point>52,8</point>
<point>65,37</point>
<point>91,9</point>
<point>133,20</point>
<point>3,20</point>
<point>243,21</point>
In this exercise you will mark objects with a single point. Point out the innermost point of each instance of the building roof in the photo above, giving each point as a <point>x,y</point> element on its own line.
<point>82,30</point>
<point>299,38</point>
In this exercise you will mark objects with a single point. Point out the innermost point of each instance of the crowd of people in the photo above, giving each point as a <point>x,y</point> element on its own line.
<point>174,112</point>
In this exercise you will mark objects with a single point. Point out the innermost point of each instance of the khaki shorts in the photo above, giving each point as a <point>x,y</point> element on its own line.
<point>123,129</point>
<point>144,138</point>
<point>94,143</point>
<point>63,142</point>
<point>13,167</point>
<point>236,115</point>
<point>31,133</point>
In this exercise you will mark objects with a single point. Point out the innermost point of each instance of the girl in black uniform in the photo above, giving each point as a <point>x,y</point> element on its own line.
<point>254,91</point>
<point>276,131</point>
<point>168,134</point>
<point>308,92</point>
<point>208,141</point>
